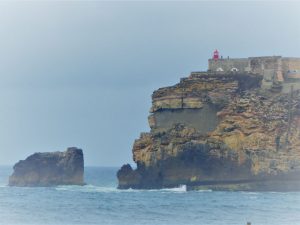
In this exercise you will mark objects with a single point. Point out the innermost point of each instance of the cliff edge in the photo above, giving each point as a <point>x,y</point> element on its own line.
<point>49,169</point>
<point>219,131</point>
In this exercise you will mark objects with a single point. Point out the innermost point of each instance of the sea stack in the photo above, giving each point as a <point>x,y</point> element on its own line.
<point>49,169</point>
<point>235,126</point>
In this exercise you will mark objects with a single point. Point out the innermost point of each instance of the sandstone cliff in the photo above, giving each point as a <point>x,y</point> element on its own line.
<point>50,168</point>
<point>219,131</point>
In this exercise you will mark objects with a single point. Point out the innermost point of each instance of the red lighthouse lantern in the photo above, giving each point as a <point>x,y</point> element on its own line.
<point>216,55</point>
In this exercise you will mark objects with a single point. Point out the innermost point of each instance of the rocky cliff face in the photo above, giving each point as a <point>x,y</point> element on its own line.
<point>50,168</point>
<point>218,131</point>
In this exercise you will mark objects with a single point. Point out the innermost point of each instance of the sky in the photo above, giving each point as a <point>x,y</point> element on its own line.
<point>82,73</point>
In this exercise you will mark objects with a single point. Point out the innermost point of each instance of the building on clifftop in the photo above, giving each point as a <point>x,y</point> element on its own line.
<point>276,69</point>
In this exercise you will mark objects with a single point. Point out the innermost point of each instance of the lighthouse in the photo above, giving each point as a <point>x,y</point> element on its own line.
<point>216,55</point>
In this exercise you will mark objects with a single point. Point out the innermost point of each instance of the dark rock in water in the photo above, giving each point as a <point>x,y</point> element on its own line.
<point>128,178</point>
<point>49,169</point>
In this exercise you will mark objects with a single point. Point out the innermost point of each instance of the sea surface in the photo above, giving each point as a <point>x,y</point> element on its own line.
<point>100,202</point>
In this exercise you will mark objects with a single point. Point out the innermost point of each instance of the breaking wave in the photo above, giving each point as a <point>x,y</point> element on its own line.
<point>93,188</point>
<point>181,188</point>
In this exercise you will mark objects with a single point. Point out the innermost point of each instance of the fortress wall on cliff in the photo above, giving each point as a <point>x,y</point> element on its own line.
<point>271,67</point>
<point>255,64</point>
<point>227,64</point>
<point>266,65</point>
<point>290,64</point>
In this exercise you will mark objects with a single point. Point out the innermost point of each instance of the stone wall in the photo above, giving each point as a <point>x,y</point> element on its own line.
<point>273,68</point>
<point>290,64</point>
<point>228,64</point>
<point>265,65</point>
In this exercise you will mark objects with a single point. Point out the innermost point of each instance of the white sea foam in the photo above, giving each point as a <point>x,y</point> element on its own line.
<point>181,188</point>
<point>207,190</point>
<point>86,188</point>
<point>250,193</point>
<point>92,188</point>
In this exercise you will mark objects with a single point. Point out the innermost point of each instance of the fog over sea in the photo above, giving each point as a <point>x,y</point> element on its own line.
<point>100,202</point>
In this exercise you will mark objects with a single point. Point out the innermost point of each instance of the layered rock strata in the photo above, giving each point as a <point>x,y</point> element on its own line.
<point>49,169</point>
<point>218,131</point>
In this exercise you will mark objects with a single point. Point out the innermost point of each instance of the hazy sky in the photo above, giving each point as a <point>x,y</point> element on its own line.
<point>82,73</point>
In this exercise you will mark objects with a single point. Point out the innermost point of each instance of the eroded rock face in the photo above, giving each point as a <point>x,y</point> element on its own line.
<point>49,169</point>
<point>255,144</point>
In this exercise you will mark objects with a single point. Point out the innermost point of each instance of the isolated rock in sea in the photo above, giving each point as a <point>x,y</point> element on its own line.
<point>220,131</point>
<point>50,169</point>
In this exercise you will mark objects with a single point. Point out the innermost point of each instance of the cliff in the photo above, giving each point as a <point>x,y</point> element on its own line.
<point>218,131</point>
<point>49,169</point>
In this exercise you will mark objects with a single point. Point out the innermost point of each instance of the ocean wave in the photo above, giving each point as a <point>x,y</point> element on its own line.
<point>249,193</point>
<point>86,188</point>
<point>207,190</point>
<point>93,188</point>
<point>181,188</point>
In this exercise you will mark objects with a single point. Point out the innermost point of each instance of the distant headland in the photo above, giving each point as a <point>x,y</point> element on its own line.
<point>235,126</point>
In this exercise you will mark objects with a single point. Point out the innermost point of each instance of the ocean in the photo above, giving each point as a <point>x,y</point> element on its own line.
<point>100,202</point>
